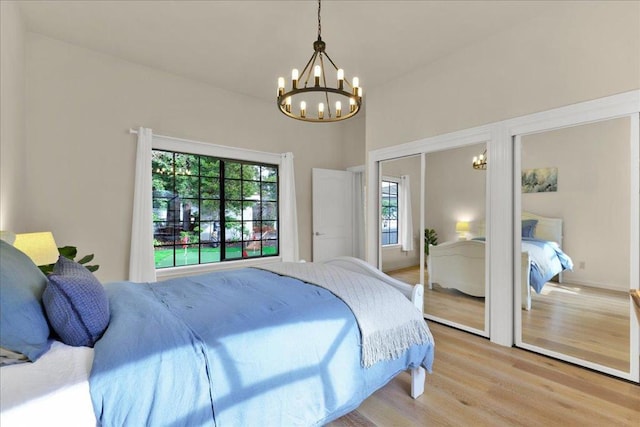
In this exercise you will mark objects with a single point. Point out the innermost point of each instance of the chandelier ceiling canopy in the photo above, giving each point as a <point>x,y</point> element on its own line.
<point>307,92</point>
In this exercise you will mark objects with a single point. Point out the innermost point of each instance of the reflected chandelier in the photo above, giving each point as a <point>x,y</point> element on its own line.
<point>318,91</point>
<point>480,162</point>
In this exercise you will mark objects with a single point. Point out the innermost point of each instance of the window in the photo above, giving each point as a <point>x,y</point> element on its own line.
<point>389,212</point>
<point>208,209</point>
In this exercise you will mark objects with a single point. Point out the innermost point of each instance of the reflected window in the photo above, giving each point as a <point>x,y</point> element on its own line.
<point>389,212</point>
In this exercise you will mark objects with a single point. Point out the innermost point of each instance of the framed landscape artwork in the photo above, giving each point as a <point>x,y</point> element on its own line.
<point>540,180</point>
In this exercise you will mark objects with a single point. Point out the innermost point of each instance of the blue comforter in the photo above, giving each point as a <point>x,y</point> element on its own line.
<point>547,260</point>
<point>238,348</point>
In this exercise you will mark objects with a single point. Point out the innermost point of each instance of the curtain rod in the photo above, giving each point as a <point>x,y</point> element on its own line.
<point>135,132</point>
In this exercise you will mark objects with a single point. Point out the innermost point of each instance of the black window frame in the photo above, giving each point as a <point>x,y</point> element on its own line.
<point>388,237</point>
<point>259,242</point>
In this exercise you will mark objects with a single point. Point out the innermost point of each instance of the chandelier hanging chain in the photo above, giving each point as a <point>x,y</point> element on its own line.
<point>318,88</point>
<point>319,23</point>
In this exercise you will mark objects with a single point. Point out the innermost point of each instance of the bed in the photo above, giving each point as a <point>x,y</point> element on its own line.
<point>460,265</point>
<point>253,346</point>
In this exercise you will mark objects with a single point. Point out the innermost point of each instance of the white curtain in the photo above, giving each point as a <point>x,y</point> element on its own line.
<point>141,259</point>
<point>288,213</point>
<point>358,215</point>
<point>406,222</point>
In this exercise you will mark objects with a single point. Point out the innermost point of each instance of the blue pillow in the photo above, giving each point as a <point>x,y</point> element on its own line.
<point>529,227</point>
<point>23,324</point>
<point>76,304</point>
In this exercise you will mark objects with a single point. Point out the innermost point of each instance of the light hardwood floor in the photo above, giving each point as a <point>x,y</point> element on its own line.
<point>478,383</point>
<point>588,323</point>
<point>584,322</point>
<point>445,303</point>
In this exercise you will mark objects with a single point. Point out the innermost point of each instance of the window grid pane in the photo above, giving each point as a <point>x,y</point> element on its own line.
<point>208,210</point>
<point>389,213</point>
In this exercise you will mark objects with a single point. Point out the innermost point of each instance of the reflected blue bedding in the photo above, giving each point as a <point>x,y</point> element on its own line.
<point>547,260</point>
<point>237,348</point>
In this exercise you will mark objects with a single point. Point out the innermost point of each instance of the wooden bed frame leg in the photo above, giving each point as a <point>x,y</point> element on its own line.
<point>418,377</point>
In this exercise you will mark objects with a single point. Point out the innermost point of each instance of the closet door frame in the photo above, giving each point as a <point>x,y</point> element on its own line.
<point>423,147</point>
<point>608,108</point>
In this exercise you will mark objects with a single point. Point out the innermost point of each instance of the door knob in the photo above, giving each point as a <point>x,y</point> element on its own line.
<point>318,234</point>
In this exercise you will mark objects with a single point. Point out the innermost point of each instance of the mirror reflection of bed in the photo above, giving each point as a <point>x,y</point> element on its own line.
<point>460,264</point>
<point>455,201</point>
<point>453,192</point>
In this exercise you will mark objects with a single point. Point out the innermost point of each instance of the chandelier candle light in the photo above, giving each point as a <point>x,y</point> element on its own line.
<point>480,162</point>
<point>325,96</point>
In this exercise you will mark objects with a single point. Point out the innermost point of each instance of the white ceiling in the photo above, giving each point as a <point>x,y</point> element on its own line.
<point>243,46</point>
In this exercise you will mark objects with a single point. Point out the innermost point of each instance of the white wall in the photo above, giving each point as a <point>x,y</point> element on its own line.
<point>80,156</point>
<point>592,198</point>
<point>353,140</point>
<point>589,51</point>
<point>12,116</point>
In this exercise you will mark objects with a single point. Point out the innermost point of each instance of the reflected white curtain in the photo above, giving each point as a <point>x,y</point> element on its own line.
<point>289,249</point>
<point>406,221</point>
<point>358,215</point>
<point>141,259</point>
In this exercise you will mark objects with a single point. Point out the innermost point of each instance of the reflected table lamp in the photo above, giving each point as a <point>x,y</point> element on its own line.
<point>462,228</point>
<point>40,247</point>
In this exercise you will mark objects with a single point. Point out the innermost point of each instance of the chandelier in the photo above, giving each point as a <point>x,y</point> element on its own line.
<point>480,162</point>
<point>346,97</point>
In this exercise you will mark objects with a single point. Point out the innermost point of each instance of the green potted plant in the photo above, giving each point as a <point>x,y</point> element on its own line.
<point>430,238</point>
<point>70,252</point>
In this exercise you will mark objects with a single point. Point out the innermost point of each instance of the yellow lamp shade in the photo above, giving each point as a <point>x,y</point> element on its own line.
<point>40,247</point>
<point>462,226</point>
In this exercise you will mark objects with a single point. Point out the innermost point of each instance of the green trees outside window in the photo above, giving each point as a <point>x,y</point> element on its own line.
<point>208,209</point>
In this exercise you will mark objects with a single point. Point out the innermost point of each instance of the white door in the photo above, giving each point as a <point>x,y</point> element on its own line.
<point>332,192</point>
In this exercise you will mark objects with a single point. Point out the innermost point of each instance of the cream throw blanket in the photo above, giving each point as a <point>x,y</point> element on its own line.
<point>389,323</point>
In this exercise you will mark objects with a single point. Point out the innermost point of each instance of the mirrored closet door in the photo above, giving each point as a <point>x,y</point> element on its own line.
<point>442,246</point>
<point>455,238</point>
<point>574,221</point>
